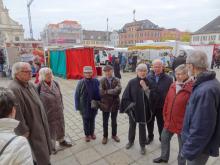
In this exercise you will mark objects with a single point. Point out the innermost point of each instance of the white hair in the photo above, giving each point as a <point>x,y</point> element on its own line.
<point>157,61</point>
<point>198,59</point>
<point>43,72</point>
<point>182,68</point>
<point>141,67</point>
<point>17,67</point>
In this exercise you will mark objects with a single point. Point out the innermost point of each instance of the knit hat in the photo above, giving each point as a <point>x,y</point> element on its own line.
<point>87,69</point>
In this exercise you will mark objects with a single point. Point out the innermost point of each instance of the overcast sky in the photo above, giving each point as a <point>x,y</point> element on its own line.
<point>182,14</point>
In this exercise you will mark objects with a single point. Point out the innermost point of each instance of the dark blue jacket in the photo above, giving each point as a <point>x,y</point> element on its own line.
<point>158,90</point>
<point>201,128</point>
<point>86,91</point>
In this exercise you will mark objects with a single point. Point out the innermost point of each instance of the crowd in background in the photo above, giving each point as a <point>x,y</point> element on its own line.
<point>187,104</point>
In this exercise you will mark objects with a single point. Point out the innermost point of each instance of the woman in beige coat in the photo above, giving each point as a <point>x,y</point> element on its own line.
<point>51,97</point>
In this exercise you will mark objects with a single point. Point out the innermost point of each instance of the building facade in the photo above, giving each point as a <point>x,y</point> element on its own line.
<point>66,33</point>
<point>145,30</point>
<point>10,30</point>
<point>170,34</point>
<point>96,38</point>
<point>139,32</point>
<point>208,34</point>
<point>114,38</point>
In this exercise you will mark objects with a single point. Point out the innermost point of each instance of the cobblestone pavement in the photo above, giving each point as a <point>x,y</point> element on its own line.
<point>94,153</point>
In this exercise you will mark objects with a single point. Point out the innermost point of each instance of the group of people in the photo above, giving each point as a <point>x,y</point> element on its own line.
<point>188,107</point>
<point>38,110</point>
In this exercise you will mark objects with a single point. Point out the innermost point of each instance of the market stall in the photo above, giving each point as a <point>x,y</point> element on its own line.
<point>68,63</point>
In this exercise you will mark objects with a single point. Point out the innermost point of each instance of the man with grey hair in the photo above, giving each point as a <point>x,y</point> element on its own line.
<point>173,113</point>
<point>31,113</point>
<point>159,86</point>
<point>135,102</point>
<point>201,128</point>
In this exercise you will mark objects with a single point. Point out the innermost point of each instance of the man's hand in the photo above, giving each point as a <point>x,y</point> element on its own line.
<point>143,85</point>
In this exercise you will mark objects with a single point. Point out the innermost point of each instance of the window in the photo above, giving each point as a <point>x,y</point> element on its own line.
<point>17,38</point>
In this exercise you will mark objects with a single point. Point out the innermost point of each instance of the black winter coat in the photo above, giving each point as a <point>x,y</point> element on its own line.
<point>135,94</point>
<point>158,91</point>
<point>117,70</point>
<point>178,61</point>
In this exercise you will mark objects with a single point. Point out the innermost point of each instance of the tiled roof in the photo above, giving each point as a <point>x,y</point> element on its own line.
<point>211,27</point>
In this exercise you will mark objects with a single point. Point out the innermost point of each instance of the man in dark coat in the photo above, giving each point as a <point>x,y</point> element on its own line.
<point>134,62</point>
<point>181,59</point>
<point>2,60</point>
<point>135,103</point>
<point>86,98</point>
<point>31,113</point>
<point>201,128</point>
<point>159,85</point>
<point>117,68</point>
<point>110,89</point>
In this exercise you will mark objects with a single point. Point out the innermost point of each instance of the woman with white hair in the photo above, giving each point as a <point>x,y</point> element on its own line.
<point>51,97</point>
<point>135,103</point>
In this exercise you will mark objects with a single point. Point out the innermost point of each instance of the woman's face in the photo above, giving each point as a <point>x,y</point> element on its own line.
<point>181,76</point>
<point>48,77</point>
<point>142,73</point>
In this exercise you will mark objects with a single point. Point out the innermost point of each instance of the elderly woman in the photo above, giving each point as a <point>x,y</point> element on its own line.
<point>13,149</point>
<point>86,98</point>
<point>135,103</point>
<point>51,97</point>
<point>174,111</point>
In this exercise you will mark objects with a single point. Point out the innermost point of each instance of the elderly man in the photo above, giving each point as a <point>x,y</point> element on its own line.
<point>136,104</point>
<point>110,89</point>
<point>173,113</point>
<point>159,86</point>
<point>201,128</point>
<point>86,98</point>
<point>30,113</point>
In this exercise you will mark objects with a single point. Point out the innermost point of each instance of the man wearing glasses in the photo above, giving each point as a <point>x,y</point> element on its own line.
<point>31,114</point>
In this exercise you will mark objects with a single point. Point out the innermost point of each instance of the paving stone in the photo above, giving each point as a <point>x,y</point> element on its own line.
<point>67,161</point>
<point>113,153</point>
<point>146,160</point>
<point>100,162</point>
<point>107,149</point>
<point>119,158</point>
<point>62,154</point>
<point>212,161</point>
<point>87,156</point>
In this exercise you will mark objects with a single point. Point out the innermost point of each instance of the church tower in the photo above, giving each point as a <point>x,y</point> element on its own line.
<point>10,30</point>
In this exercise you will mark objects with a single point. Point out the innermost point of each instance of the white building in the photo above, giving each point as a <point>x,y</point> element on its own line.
<point>10,30</point>
<point>208,34</point>
<point>114,38</point>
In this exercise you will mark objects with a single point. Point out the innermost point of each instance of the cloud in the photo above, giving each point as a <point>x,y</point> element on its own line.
<point>187,14</point>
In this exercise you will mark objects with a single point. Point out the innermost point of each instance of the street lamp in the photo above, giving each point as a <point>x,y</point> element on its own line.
<point>29,18</point>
